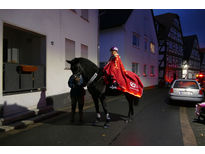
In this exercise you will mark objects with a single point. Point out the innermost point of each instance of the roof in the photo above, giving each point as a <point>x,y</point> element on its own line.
<point>110,18</point>
<point>165,20</point>
<point>188,45</point>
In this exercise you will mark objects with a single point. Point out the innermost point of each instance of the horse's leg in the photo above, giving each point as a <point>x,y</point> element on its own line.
<point>107,115</point>
<point>130,100</point>
<point>131,110</point>
<point>95,99</point>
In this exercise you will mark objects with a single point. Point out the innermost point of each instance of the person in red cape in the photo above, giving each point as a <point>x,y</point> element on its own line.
<point>121,79</point>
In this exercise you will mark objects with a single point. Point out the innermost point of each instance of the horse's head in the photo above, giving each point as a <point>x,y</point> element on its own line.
<point>84,67</point>
<point>74,66</point>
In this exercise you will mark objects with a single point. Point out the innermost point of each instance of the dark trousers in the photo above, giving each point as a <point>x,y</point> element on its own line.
<point>80,101</point>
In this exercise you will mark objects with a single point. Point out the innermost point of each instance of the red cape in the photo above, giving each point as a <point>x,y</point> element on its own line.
<point>128,81</point>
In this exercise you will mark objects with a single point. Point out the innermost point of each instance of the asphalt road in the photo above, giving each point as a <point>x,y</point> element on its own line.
<point>155,123</point>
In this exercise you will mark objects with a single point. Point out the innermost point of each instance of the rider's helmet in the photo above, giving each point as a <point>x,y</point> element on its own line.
<point>114,49</point>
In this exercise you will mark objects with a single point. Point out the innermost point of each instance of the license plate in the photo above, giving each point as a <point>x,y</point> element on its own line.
<point>185,93</point>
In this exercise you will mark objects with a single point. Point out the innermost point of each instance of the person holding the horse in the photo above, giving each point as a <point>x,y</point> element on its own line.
<point>77,94</point>
<point>119,78</point>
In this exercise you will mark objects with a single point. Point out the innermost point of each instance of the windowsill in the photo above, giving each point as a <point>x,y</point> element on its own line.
<point>23,91</point>
<point>84,18</point>
<point>134,46</point>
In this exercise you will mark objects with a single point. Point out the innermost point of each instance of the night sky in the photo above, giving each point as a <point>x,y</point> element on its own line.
<point>192,22</point>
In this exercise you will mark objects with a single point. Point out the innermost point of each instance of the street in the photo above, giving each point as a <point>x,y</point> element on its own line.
<point>156,122</point>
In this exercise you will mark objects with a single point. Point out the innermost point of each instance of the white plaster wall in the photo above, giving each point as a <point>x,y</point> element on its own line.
<point>56,25</point>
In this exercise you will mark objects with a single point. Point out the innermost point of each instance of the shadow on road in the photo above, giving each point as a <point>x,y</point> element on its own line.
<point>89,119</point>
<point>180,103</point>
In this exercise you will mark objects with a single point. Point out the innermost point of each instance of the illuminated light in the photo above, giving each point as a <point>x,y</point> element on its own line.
<point>197,75</point>
<point>171,90</point>
<point>200,92</point>
<point>200,75</point>
<point>152,75</point>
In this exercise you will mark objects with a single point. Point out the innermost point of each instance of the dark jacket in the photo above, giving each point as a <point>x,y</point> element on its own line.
<point>76,86</point>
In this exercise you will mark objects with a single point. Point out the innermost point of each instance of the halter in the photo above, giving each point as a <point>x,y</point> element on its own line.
<point>92,79</point>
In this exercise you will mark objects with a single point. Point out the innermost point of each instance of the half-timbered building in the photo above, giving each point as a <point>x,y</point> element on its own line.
<point>170,40</point>
<point>191,57</point>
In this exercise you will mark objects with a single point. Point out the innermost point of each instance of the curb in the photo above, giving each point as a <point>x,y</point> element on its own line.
<point>25,123</point>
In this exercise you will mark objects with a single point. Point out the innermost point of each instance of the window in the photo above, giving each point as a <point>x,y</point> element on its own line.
<point>145,70</point>
<point>84,14</point>
<point>135,67</point>
<point>152,47</point>
<point>13,55</point>
<point>84,51</point>
<point>151,71</point>
<point>186,84</point>
<point>69,50</point>
<point>135,40</point>
<point>24,60</point>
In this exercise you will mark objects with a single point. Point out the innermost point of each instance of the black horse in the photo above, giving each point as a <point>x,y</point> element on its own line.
<point>94,80</point>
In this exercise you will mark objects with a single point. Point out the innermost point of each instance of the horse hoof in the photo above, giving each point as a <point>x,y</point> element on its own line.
<point>97,120</point>
<point>106,126</point>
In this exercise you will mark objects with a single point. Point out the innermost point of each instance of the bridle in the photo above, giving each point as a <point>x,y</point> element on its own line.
<point>91,79</point>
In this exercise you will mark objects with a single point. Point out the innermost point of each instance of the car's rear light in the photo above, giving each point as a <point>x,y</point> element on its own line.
<point>171,90</point>
<point>200,92</point>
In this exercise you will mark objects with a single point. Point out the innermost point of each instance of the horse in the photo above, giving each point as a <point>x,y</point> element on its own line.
<point>93,78</point>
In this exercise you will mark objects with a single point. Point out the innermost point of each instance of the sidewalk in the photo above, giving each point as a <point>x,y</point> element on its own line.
<point>40,117</point>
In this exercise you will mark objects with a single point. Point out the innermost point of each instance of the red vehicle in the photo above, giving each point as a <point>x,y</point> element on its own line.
<point>201,79</point>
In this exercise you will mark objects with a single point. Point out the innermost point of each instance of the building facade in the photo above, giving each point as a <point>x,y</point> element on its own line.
<point>36,44</point>
<point>191,57</point>
<point>202,61</point>
<point>133,32</point>
<point>170,47</point>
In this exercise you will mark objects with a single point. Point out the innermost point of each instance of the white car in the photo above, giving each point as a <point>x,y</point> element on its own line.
<point>186,90</point>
